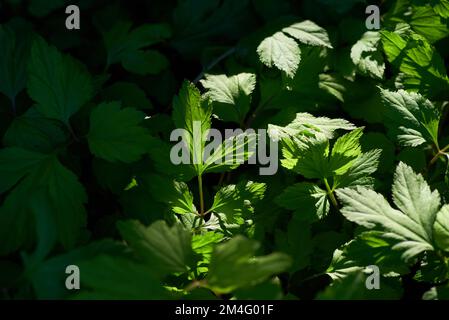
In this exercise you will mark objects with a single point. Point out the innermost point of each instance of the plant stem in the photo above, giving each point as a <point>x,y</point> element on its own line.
<point>438,154</point>
<point>200,188</point>
<point>75,137</point>
<point>13,105</point>
<point>194,284</point>
<point>214,63</point>
<point>259,108</point>
<point>330,193</point>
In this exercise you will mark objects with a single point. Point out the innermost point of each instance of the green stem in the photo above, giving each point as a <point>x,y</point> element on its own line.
<point>200,187</point>
<point>330,193</point>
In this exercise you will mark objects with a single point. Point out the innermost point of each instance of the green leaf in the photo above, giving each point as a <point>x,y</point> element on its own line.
<point>34,132</point>
<point>412,226</point>
<point>231,95</point>
<point>422,67</point>
<point>166,249</point>
<point>296,242</point>
<point>192,113</point>
<point>309,33</point>
<point>234,202</point>
<point>311,161</point>
<point>413,118</point>
<point>307,199</point>
<point>441,7</point>
<point>281,52</point>
<point>376,140</point>
<point>441,228</point>
<point>115,134</point>
<point>371,248</point>
<point>58,83</point>
<point>233,152</point>
<point>358,174</point>
<point>172,192</point>
<point>15,163</point>
<point>427,22</point>
<point>306,124</point>
<point>144,62</point>
<point>131,280</point>
<point>14,52</point>
<point>353,287</point>
<point>199,24</point>
<point>234,265</point>
<point>367,57</point>
<point>48,277</point>
<point>129,94</point>
<point>39,173</point>
<point>345,150</point>
<point>120,40</point>
<point>203,244</point>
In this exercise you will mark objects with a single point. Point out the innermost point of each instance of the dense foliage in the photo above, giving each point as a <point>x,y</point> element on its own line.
<point>359,115</point>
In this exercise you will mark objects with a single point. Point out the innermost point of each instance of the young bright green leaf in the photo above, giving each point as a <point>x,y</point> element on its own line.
<point>192,113</point>
<point>281,52</point>
<point>412,226</point>
<point>231,95</point>
<point>203,244</point>
<point>345,150</point>
<point>441,7</point>
<point>367,57</point>
<point>312,161</point>
<point>427,22</point>
<point>360,171</point>
<point>167,249</point>
<point>309,33</point>
<point>58,83</point>
<point>422,67</point>
<point>413,118</point>
<point>234,265</point>
<point>115,133</point>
